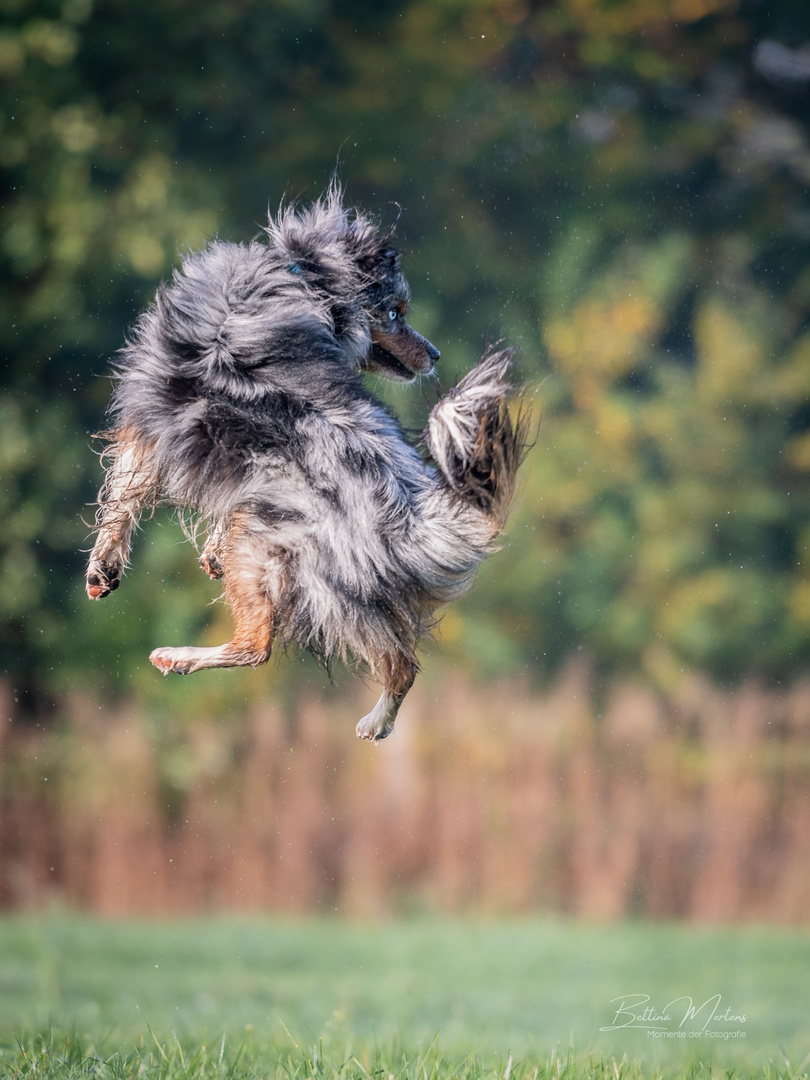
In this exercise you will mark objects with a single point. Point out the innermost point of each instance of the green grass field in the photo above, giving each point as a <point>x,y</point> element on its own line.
<point>428,998</point>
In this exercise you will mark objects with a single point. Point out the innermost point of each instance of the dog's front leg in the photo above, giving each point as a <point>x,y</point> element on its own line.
<point>130,484</point>
<point>399,674</point>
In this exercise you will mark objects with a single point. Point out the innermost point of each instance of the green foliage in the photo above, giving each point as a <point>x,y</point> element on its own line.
<point>617,187</point>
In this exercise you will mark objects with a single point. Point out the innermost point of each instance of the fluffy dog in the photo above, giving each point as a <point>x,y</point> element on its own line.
<point>239,396</point>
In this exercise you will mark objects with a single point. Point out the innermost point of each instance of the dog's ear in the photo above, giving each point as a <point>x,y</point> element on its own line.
<point>378,259</point>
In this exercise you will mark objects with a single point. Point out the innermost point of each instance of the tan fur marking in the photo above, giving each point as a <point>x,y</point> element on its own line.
<point>252,580</point>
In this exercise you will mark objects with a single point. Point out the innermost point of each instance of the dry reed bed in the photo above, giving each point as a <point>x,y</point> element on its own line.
<point>486,800</point>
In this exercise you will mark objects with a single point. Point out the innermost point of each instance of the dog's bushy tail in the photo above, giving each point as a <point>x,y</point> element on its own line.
<point>476,445</point>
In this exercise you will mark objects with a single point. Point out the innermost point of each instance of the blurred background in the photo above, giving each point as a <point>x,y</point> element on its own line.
<point>617,719</point>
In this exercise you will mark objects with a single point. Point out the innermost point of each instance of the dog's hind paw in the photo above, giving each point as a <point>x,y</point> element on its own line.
<point>102,579</point>
<point>373,728</point>
<point>181,661</point>
<point>211,565</point>
<point>379,723</point>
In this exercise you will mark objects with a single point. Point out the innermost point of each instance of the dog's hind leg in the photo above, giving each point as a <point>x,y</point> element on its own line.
<point>211,557</point>
<point>129,486</point>
<point>399,673</point>
<point>252,584</point>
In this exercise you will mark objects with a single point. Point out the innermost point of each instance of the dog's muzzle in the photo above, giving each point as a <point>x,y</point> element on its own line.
<point>400,354</point>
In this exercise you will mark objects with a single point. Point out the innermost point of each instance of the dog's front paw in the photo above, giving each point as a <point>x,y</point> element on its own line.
<point>102,578</point>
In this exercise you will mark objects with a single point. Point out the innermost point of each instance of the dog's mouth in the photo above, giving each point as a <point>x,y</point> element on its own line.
<point>401,354</point>
<point>383,362</point>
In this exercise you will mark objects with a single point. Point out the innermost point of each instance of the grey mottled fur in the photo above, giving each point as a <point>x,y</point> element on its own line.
<point>239,396</point>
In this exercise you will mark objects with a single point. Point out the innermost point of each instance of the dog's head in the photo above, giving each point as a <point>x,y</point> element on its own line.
<point>357,275</point>
<point>396,351</point>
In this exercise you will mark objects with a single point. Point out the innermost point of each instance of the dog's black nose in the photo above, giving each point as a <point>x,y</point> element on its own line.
<point>432,351</point>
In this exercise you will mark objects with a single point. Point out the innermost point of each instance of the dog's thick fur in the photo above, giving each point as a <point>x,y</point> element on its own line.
<point>239,396</point>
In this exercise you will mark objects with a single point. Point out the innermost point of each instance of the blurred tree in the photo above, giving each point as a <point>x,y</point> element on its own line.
<point>620,187</point>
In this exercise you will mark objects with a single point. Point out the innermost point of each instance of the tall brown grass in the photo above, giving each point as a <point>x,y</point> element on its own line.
<point>497,799</point>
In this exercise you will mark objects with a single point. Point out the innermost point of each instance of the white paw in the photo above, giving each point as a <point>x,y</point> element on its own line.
<point>374,728</point>
<point>180,661</point>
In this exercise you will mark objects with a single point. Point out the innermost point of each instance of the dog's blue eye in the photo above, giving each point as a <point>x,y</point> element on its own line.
<point>393,314</point>
<point>294,268</point>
